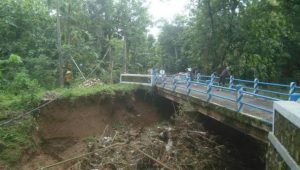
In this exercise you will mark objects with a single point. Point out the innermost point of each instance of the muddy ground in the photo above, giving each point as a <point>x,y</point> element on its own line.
<point>64,126</point>
<point>68,128</point>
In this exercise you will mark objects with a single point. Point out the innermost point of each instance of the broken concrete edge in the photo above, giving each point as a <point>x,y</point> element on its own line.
<point>250,125</point>
<point>283,152</point>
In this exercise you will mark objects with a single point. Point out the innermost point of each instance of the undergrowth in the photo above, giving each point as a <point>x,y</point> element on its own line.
<point>15,140</point>
<point>101,89</point>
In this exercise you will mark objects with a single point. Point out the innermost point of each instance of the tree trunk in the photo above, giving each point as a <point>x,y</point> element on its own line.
<point>69,23</point>
<point>176,58</point>
<point>111,69</point>
<point>60,59</point>
<point>125,55</point>
<point>212,45</point>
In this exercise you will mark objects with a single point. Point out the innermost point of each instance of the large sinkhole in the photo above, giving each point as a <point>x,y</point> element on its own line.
<point>136,130</point>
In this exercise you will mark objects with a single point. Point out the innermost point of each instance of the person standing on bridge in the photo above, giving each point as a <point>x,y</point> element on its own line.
<point>225,73</point>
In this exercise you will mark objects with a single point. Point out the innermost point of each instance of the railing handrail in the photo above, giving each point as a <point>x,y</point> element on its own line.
<point>211,86</point>
<point>258,85</point>
<point>136,75</point>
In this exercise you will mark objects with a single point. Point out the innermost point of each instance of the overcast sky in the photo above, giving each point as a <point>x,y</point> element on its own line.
<point>166,9</point>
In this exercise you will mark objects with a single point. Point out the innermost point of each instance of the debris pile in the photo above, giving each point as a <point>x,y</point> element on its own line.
<point>91,82</point>
<point>182,145</point>
<point>49,95</point>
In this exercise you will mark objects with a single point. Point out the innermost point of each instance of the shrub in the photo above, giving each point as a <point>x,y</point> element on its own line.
<point>25,87</point>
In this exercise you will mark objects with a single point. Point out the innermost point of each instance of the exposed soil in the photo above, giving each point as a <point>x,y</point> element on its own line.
<point>64,125</point>
<point>68,128</point>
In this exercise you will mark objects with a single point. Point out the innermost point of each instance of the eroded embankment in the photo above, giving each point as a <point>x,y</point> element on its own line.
<point>187,140</point>
<point>65,125</point>
<point>88,116</point>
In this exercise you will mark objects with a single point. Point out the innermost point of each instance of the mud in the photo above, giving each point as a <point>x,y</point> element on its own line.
<point>64,126</point>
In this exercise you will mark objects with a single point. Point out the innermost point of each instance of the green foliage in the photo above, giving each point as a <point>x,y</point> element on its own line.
<point>90,139</point>
<point>26,30</point>
<point>23,86</point>
<point>14,140</point>
<point>10,102</point>
<point>256,38</point>
<point>119,125</point>
<point>93,32</point>
<point>13,58</point>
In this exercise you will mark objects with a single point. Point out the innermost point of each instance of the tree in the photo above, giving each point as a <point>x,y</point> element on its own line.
<point>256,38</point>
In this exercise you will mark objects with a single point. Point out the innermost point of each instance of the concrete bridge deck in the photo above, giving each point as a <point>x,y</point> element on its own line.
<point>219,110</point>
<point>227,103</point>
<point>244,108</point>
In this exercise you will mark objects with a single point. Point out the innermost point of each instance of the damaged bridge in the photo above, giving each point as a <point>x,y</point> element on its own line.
<point>246,108</point>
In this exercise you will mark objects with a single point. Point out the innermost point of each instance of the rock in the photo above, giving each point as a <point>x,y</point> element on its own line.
<point>49,95</point>
<point>164,136</point>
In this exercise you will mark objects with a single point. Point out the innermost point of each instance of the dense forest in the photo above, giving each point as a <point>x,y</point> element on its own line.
<point>255,38</point>
<point>41,39</point>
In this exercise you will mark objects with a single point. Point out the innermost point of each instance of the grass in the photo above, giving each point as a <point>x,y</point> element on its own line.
<point>90,139</point>
<point>13,102</point>
<point>119,125</point>
<point>16,138</point>
<point>101,89</point>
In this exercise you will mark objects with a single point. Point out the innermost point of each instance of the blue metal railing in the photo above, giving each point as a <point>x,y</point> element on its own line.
<point>238,88</point>
<point>260,87</point>
<point>240,93</point>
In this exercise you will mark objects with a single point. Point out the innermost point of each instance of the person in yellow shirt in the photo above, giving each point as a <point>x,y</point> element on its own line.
<point>68,78</point>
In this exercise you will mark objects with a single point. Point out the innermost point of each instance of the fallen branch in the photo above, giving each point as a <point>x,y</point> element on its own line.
<point>149,156</point>
<point>81,156</point>
<point>104,131</point>
<point>25,114</point>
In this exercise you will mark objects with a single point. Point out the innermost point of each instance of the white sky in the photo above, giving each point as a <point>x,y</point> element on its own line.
<point>165,9</point>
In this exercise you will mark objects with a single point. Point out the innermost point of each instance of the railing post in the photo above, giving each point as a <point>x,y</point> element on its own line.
<point>198,77</point>
<point>188,77</point>
<point>189,87</point>
<point>239,98</point>
<point>174,84</point>
<point>292,89</point>
<point>152,79</point>
<point>209,88</point>
<point>231,80</point>
<point>255,86</point>
<point>152,76</point>
<point>164,82</point>
<point>212,78</point>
